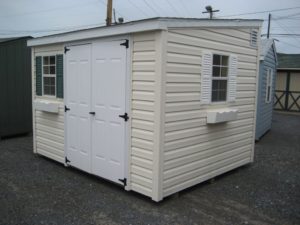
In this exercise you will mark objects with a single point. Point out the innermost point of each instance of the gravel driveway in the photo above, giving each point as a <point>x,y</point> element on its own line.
<point>35,190</point>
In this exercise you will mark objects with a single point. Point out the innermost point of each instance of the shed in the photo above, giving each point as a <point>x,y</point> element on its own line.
<point>15,87</point>
<point>287,93</point>
<point>266,87</point>
<point>156,105</point>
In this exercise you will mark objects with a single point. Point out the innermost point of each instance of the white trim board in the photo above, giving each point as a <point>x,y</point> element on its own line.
<point>141,26</point>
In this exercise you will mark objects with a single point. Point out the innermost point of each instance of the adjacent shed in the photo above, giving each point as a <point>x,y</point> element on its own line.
<point>156,105</point>
<point>15,87</point>
<point>266,87</point>
<point>287,94</point>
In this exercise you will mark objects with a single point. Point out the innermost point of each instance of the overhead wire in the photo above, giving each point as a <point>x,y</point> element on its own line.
<point>150,7</point>
<point>174,9</point>
<point>138,8</point>
<point>259,12</point>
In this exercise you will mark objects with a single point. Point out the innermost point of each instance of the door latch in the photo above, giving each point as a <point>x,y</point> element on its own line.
<point>125,116</point>
<point>92,113</point>
<point>66,108</point>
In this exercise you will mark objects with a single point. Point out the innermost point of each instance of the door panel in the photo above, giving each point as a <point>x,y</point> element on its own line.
<point>108,101</point>
<point>78,99</point>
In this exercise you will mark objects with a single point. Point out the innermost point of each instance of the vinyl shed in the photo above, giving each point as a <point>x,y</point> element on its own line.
<point>15,87</point>
<point>156,105</point>
<point>266,87</point>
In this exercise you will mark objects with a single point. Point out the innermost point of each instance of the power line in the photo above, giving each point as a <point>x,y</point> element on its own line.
<point>138,8</point>
<point>282,35</point>
<point>286,30</point>
<point>184,7</point>
<point>149,6</point>
<point>268,11</point>
<point>174,9</point>
<point>160,8</point>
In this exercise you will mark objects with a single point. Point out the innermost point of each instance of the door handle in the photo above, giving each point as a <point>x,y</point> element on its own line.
<point>92,113</point>
<point>125,116</point>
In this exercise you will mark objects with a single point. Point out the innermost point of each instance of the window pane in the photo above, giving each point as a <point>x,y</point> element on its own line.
<point>52,60</point>
<point>46,90</point>
<point>52,90</point>
<point>216,60</point>
<point>216,71</point>
<point>52,81</point>
<point>224,71</point>
<point>225,60</point>
<point>46,60</point>
<point>52,69</point>
<point>46,69</point>
<point>219,90</point>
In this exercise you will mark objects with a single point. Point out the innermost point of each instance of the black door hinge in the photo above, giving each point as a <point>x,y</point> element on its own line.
<point>66,108</point>
<point>66,49</point>
<point>124,181</point>
<point>66,160</point>
<point>125,116</point>
<point>126,43</point>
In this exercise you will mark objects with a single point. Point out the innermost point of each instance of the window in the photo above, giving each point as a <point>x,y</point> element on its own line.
<point>269,85</point>
<point>219,78</point>
<point>49,75</point>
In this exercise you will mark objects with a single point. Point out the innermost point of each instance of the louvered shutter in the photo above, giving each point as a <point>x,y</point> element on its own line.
<point>232,76</point>
<point>59,76</point>
<point>206,77</point>
<point>38,75</point>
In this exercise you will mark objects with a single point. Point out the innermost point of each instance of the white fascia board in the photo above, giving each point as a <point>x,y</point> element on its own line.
<point>213,23</point>
<point>140,26</point>
<point>98,32</point>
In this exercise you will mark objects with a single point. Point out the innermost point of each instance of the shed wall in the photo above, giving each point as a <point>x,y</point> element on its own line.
<point>265,110</point>
<point>193,150</point>
<point>15,88</point>
<point>48,127</point>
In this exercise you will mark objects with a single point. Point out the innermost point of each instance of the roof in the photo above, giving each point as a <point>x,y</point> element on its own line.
<point>266,45</point>
<point>4,40</point>
<point>288,61</point>
<point>158,23</point>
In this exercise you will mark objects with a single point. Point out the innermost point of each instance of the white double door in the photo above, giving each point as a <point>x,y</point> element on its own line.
<point>96,97</point>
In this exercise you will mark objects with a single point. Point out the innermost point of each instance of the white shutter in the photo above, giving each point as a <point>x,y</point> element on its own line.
<point>206,77</point>
<point>269,82</point>
<point>233,61</point>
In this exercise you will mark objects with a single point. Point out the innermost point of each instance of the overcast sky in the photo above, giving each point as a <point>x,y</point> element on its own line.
<point>41,17</point>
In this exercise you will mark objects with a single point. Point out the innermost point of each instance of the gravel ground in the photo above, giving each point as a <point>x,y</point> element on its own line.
<point>35,190</point>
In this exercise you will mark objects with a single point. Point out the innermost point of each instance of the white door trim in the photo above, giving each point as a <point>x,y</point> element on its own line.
<point>127,147</point>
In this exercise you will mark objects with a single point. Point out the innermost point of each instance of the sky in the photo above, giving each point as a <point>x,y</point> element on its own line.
<point>41,17</point>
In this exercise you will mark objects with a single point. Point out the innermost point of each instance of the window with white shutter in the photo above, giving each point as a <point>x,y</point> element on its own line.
<point>269,80</point>
<point>218,83</point>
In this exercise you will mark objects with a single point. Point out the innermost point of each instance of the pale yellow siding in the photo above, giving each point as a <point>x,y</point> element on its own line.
<point>143,110</point>
<point>48,127</point>
<point>193,150</point>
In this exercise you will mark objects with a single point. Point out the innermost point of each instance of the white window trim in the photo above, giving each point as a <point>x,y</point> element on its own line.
<point>219,78</point>
<point>269,83</point>
<point>48,75</point>
<point>207,78</point>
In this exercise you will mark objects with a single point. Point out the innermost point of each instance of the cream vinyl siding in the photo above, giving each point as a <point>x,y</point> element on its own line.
<point>48,127</point>
<point>143,112</point>
<point>193,150</point>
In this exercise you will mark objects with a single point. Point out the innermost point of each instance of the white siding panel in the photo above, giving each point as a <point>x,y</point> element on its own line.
<point>193,150</point>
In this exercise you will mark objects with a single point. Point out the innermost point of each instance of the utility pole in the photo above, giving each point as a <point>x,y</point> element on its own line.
<point>269,26</point>
<point>210,10</point>
<point>109,13</point>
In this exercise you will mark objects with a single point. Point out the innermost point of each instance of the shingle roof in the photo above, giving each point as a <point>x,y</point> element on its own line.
<point>291,61</point>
